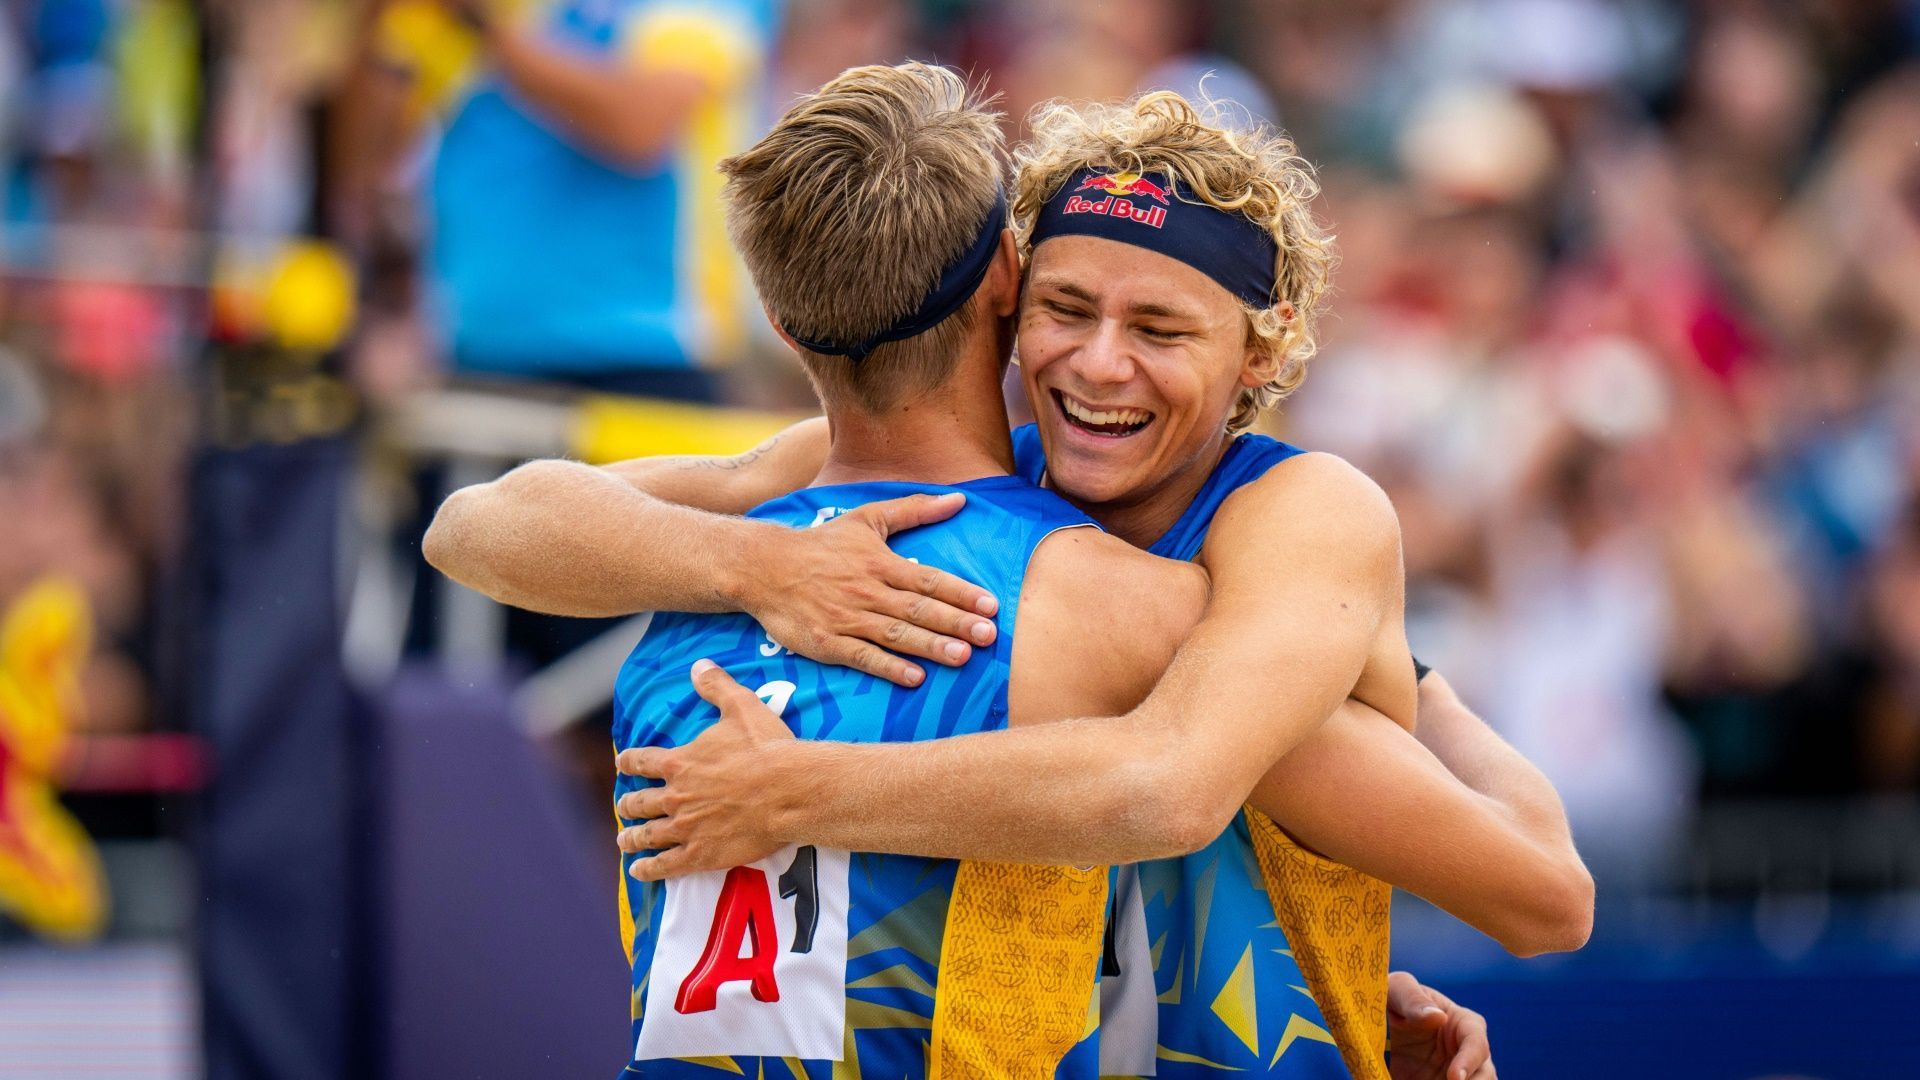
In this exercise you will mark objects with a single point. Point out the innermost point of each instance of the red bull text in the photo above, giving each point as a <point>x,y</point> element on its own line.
<point>1115,206</point>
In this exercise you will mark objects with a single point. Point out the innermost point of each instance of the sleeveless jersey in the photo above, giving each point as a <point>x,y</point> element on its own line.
<point>1265,957</point>
<point>822,964</point>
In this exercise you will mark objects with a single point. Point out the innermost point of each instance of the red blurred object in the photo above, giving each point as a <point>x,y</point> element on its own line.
<point>112,331</point>
<point>159,762</point>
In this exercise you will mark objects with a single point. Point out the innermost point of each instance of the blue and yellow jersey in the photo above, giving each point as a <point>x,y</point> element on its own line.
<point>549,260</point>
<point>1264,958</point>
<point>824,964</point>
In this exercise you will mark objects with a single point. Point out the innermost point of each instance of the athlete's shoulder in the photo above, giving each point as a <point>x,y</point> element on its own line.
<point>1310,498</point>
<point>1094,563</point>
<point>1102,618</point>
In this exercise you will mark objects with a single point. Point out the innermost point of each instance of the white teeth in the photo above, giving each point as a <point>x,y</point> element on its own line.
<point>1110,416</point>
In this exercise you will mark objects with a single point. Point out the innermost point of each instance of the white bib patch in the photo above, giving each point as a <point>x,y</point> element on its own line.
<point>752,961</point>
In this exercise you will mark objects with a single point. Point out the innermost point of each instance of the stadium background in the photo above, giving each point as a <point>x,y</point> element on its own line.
<point>1627,322</point>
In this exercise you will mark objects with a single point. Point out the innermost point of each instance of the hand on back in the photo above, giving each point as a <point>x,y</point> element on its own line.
<point>711,817</point>
<point>838,594</point>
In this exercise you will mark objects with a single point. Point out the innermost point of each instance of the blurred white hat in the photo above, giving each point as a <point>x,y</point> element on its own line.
<point>1553,44</point>
<point>1477,144</point>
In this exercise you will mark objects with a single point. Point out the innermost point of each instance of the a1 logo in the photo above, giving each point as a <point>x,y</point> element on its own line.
<point>755,958</point>
<point>752,961</point>
<point>743,919</point>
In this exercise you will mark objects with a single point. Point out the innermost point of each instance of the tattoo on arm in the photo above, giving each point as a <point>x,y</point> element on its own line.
<point>738,461</point>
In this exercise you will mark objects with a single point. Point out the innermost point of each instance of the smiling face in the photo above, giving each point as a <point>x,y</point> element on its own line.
<point>1133,362</point>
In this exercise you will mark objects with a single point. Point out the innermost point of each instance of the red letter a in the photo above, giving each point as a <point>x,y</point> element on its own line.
<point>745,910</point>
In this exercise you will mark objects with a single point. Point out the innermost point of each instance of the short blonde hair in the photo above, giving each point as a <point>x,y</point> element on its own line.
<point>851,207</point>
<point>1256,172</point>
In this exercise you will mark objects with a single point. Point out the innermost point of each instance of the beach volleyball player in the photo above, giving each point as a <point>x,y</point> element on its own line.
<point>1088,790</point>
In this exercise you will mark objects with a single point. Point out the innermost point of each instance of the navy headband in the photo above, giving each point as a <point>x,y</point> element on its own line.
<point>1227,247</point>
<point>957,282</point>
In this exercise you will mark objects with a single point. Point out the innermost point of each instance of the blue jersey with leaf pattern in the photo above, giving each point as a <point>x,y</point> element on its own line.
<point>1226,994</point>
<point>814,962</point>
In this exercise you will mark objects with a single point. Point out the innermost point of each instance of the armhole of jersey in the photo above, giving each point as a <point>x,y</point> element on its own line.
<point>1010,614</point>
<point>1202,523</point>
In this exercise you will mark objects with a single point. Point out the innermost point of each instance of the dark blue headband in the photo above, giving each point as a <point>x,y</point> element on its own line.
<point>957,282</point>
<point>1227,247</point>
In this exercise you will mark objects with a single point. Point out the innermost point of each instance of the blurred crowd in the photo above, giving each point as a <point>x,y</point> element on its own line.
<point>1627,319</point>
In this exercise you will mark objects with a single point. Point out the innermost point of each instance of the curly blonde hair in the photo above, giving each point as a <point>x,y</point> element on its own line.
<point>1256,172</point>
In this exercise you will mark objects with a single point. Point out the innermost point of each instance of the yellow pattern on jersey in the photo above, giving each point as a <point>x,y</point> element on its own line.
<point>1338,921</point>
<point>1017,969</point>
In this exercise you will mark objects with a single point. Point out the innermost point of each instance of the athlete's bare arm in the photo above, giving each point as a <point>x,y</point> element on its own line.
<point>1272,659</point>
<point>1456,817</point>
<point>1098,621</point>
<point>1487,842</point>
<point>1364,792</point>
<point>652,534</point>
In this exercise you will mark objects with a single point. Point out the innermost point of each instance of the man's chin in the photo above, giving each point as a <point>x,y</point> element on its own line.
<point>1086,484</point>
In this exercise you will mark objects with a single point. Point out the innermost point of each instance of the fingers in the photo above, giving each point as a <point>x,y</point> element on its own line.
<point>652,762</point>
<point>957,594</point>
<point>719,688</point>
<point>1474,1059</point>
<point>660,833</point>
<point>894,516</point>
<point>874,660</point>
<point>670,863</point>
<point>897,634</point>
<point>712,681</point>
<point>1413,1004</point>
<point>948,605</point>
<point>650,802</point>
<point>898,515</point>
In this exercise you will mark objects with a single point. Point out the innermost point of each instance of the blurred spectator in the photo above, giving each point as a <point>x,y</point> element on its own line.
<point>1625,325</point>
<point>1625,322</point>
<point>822,38</point>
<point>575,227</point>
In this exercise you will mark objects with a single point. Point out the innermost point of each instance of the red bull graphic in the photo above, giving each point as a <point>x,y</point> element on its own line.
<point>1125,183</point>
<point>1117,186</point>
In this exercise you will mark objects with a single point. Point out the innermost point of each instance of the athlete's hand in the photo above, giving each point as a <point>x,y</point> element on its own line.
<point>1431,1038</point>
<point>837,594</point>
<point>710,815</point>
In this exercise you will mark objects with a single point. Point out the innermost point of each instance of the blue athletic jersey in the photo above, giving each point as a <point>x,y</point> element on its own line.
<point>1226,994</point>
<point>815,956</point>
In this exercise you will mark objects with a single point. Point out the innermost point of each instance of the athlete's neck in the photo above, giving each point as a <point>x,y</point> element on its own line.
<point>956,432</point>
<point>1143,519</point>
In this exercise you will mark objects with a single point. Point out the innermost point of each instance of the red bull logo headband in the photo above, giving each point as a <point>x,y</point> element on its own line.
<point>957,282</point>
<point>1130,208</point>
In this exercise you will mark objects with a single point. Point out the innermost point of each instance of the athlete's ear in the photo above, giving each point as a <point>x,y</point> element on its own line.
<point>1003,277</point>
<point>1262,366</point>
<point>778,329</point>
